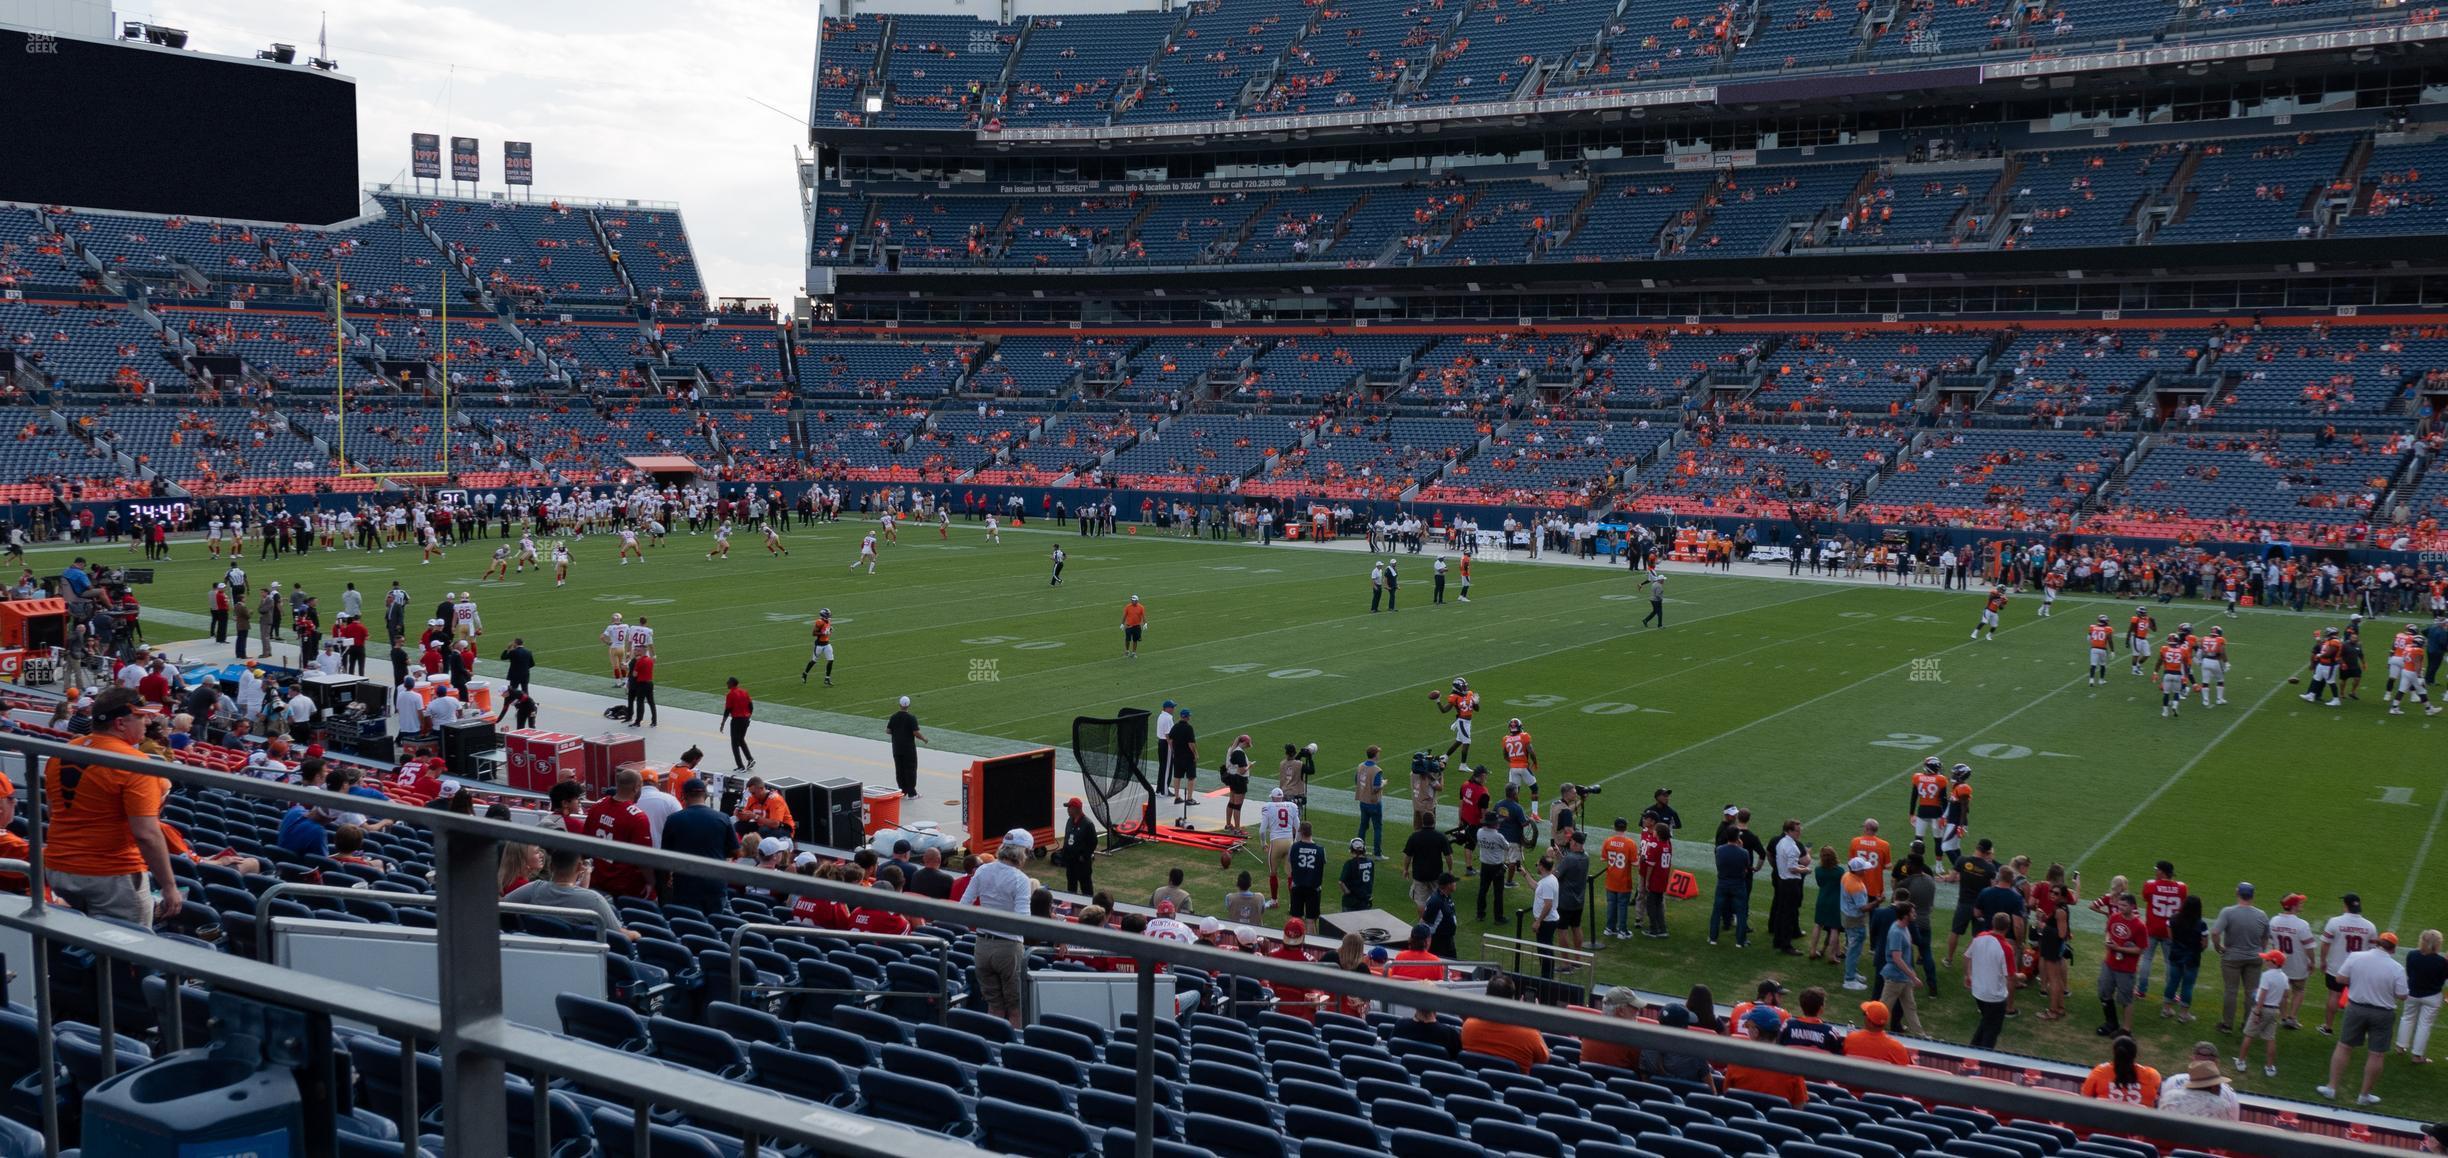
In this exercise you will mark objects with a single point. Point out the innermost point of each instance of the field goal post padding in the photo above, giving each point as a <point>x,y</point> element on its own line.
<point>1119,795</point>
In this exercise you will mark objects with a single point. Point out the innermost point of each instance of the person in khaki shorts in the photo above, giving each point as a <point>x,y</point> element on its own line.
<point>105,852</point>
<point>1002,959</point>
<point>2268,1010</point>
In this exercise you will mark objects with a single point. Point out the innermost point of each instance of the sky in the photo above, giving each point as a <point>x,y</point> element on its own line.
<point>622,99</point>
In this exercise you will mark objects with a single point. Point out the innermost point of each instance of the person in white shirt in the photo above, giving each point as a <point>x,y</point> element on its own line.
<point>616,642</point>
<point>1988,973</point>
<point>407,709</point>
<point>2201,1091</point>
<point>1001,885</point>
<point>1167,927</point>
<point>2270,1002</point>
<point>301,718</point>
<point>1278,825</point>
<point>250,691</point>
<point>1545,897</point>
<point>2342,936</point>
<point>2375,983</point>
<point>641,638</point>
<point>444,709</point>
<point>658,806</point>
<point>2291,935</point>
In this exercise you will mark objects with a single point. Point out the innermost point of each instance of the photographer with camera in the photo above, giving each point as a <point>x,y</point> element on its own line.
<point>1427,780</point>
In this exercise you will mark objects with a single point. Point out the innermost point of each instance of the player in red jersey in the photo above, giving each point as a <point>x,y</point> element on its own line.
<point>1989,612</point>
<point>2103,639</point>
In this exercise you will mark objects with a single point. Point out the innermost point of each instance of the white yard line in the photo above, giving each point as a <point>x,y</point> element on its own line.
<point>1884,781</point>
<point>2277,685</point>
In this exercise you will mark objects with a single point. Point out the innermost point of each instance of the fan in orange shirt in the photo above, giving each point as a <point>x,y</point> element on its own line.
<point>1871,1042</point>
<point>1871,846</point>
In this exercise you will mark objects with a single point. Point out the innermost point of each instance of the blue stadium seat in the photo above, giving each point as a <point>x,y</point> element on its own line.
<point>1420,1144</point>
<point>1293,1092</point>
<point>1011,1128</point>
<point>1233,1138</point>
<point>604,1023</point>
<point>662,1141</point>
<point>1124,1144</point>
<point>918,1063</point>
<point>1516,1138</point>
<point>825,1041</point>
<point>1103,1109</point>
<point>914,1102</point>
<point>1727,1140</point>
<point>1305,1123</point>
<point>801,1075</point>
<point>697,1047</point>
<point>1061,1069</point>
<point>1669,1146</point>
<point>745,1024</point>
<point>1370,1091</point>
<point>1631,1121</point>
<point>958,1044</point>
<point>1402,1114</point>
<point>1576,1131</point>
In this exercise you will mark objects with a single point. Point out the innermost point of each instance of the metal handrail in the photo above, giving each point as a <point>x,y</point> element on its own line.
<point>263,907</point>
<point>475,1041</point>
<point>943,963</point>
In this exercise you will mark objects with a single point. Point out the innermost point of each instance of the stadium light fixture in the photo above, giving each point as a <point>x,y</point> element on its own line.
<point>875,104</point>
<point>325,63</point>
<point>166,37</point>
<point>279,54</point>
<point>132,30</point>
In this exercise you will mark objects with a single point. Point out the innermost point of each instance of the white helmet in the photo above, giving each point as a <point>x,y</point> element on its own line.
<point>616,617</point>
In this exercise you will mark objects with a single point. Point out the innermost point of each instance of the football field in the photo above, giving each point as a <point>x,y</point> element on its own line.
<point>1793,698</point>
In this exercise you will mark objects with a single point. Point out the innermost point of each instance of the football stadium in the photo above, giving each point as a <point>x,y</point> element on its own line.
<point>1283,579</point>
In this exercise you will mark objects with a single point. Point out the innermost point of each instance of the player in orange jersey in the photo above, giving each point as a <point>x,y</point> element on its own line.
<point>2175,662</point>
<point>1463,703</point>
<point>2326,656</point>
<point>822,648</point>
<point>1928,800</point>
<point>2210,666</point>
<point>2406,661</point>
<point>1989,612</point>
<point>2050,584</point>
<point>1521,763</point>
<point>1465,568</point>
<point>2103,638</point>
<point>2138,631</point>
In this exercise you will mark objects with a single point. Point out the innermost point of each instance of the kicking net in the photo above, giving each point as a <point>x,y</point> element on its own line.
<point>1119,795</point>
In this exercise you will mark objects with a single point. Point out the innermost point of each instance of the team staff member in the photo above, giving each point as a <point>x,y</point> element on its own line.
<point>1078,851</point>
<point>736,710</point>
<point>641,693</point>
<point>903,728</point>
<point>763,808</point>
<point>1134,621</point>
<point>106,851</point>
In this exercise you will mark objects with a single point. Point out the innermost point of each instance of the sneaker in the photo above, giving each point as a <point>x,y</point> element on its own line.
<point>2396,711</point>
<point>2327,1032</point>
<point>2269,1071</point>
<point>2236,1064</point>
<point>2307,698</point>
<point>2328,1092</point>
<point>1857,985</point>
<point>1712,940</point>
<point>2332,703</point>
<point>2368,1100</point>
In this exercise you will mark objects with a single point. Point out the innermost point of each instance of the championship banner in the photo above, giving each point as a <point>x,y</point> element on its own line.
<point>518,163</point>
<point>464,163</point>
<point>425,155</point>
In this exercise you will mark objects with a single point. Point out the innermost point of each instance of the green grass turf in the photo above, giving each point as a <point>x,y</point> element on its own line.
<point>1791,698</point>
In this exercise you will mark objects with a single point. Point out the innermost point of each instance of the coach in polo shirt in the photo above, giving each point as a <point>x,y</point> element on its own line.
<point>1001,885</point>
<point>2375,983</point>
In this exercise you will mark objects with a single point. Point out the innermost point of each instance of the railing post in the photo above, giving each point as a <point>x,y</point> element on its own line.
<point>1144,1111</point>
<point>468,959</point>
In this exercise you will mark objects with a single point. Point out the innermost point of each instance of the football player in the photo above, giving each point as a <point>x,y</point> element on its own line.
<point>1928,802</point>
<point>2210,666</point>
<point>2175,661</point>
<point>2408,660</point>
<point>2138,632</point>
<point>2325,657</point>
<point>1521,763</point>
<point>2103,638</point>
<point>823,648</point>
<point>1989,612</point>
<point>1463,703</point>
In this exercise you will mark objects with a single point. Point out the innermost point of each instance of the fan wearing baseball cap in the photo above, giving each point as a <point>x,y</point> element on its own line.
<point>2375,983</point>
<point>1077,853</point>
<point>1295,1000</point>
<point>1761,1025</point>
<point>1871,1042</point>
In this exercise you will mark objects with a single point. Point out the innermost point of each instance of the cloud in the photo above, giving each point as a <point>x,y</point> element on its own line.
<point>623,99</point>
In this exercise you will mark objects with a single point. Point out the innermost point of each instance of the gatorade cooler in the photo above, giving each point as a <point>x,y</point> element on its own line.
<point>600,755</point>
<point>881,807</point>
<point>190,1105</point>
